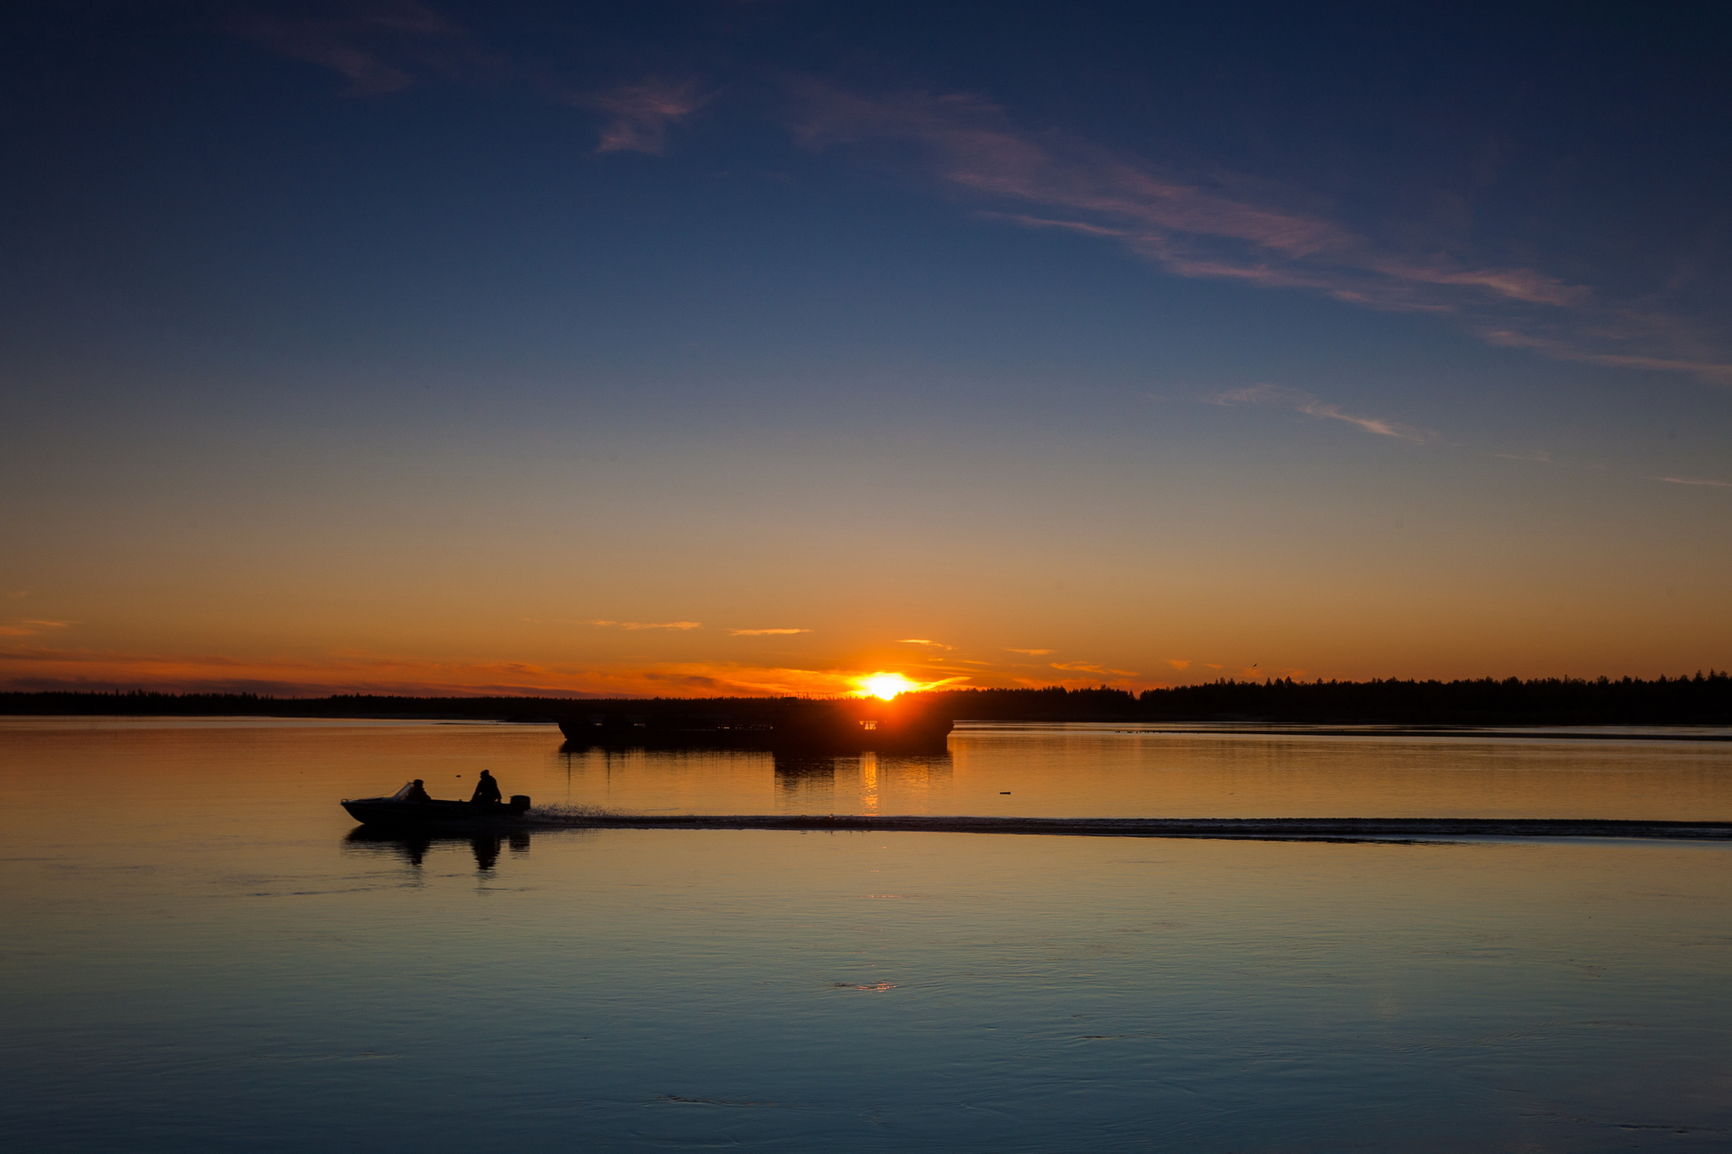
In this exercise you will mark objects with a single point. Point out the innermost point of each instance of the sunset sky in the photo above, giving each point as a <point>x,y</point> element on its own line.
<point>692,346</point>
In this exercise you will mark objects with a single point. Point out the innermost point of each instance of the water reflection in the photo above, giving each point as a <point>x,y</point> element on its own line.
<point>187,966</point>
<point>699,780</point>
<point>865,782</point>
<point>413,846</point>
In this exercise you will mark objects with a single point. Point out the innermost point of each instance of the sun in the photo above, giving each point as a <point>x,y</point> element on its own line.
<point>883,686</point>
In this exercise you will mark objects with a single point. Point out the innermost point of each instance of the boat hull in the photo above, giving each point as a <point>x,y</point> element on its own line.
<point>389,813</point>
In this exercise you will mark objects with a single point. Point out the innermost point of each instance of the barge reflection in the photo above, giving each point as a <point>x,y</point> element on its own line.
<point>412,846</point>
<point>806,781</point>
<point>865,782</point>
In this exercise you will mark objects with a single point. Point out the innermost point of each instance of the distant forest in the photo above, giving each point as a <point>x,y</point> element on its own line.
<point>1699,699</point>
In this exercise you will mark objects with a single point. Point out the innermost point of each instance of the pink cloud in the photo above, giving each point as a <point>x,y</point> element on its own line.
<point>1715,372</point>
<point>1516,284</point>
<point>639,115</point>
<point>969,145</point>
<point>969,148</point>
<point>376,45</point>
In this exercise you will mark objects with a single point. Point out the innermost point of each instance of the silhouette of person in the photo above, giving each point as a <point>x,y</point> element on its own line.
<point>486,791</point>
<point>415,791</point>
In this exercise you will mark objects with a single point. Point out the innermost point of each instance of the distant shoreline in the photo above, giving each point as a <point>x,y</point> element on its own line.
<point>1511,731</point>
<point>1416,708</point>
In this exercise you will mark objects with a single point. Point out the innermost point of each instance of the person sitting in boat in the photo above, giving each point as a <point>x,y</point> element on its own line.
<point>414,791</point>
<point>486,791</point>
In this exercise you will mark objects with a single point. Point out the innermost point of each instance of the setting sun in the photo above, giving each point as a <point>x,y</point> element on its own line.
<point>883,685</point>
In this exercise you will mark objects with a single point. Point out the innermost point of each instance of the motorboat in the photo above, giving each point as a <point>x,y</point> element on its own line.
<point>411,808</point>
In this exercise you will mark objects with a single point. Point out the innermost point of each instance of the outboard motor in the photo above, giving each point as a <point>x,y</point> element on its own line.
<point>519,803</point>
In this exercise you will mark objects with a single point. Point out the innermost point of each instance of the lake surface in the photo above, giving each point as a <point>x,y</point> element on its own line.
<point>201,955</point>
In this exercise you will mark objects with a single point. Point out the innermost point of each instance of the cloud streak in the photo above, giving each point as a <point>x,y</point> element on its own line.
<point>1713,372</point>
<point>970,149</point>
<point>31,627</point>
<point>970,146</point>
<point>765,632</point>
<point>635,626</point>
<point>1278,396</point>
<point>377,46</point>
<point>1698,481</point>
<point>1086,667</point>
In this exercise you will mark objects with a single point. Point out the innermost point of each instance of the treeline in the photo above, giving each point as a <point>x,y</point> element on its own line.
<point>1697,699</point>
<point>143,703</point>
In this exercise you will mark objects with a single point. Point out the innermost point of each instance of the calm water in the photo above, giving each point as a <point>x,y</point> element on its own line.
<point>199,956</point>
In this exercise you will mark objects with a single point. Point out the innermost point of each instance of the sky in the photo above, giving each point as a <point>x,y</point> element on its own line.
<point>692,347</point>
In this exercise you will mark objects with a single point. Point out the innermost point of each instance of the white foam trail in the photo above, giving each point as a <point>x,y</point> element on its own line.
<point>1329,828</point>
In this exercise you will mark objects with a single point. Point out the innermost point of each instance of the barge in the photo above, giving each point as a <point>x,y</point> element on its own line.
<point>905,725</point>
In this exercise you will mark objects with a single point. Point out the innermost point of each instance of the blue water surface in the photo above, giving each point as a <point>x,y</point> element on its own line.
<point>202,956</point>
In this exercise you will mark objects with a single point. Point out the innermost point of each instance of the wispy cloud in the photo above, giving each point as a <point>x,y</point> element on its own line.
<point>31,627</point>
<point>1706,481</point>
<point>1179,663</point>
<point>1085,667</point>
<point>928,643</point>
<point>1077,226</point>
<point>1536,456</point>
<point>765,632</point>
<point>1031,652</point>
<point>639,115</point>
<point>970,146</point>
<point>1715,372</point>
<point>1279,396</point>
<point>1298,401</point>
<point>637,625</point>
<point>1209,228</point>
<point>378,46</point>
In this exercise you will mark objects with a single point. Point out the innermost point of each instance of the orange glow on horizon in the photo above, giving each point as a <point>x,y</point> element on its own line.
<point>44,668</point>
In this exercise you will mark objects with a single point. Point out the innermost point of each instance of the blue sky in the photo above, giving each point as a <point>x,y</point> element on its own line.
<point>389,344</point>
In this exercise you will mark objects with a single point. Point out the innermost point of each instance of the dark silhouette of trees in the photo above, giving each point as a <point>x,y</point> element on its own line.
<point>1701,699</point>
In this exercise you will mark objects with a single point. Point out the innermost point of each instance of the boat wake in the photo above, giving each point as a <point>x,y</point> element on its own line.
<point>1280,828</point>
